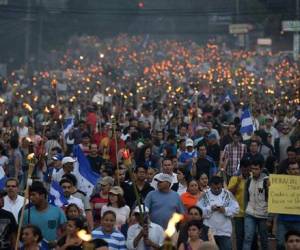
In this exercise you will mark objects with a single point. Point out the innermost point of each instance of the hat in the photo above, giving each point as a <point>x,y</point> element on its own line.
<point>189,143</point>
<point>67,159</point>
<point>107,180</point>
<point>268,117</point>
<point>199,127</point>
<point>144,209</point>
<point>163,177</point>
<point>57,157</point>
<point>212,136</point>
<point>116,190</point>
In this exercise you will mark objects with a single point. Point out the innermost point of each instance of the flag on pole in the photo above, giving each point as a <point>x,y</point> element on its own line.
<point>86,177</point>
<point>247,126</point>
<point>56,195</point>
<point>69,123</point>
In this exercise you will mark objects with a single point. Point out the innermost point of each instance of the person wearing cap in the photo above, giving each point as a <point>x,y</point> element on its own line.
<point>54,166</point>
<point>283,142</point>
<point>269,128</point>
<point>213,147</point>
<point>8,226</point>
<point>186,158</point>
<point>116,203</point>
<point>100,197</point>
<point>67,168</point>
<point>212,130</point>
<point>47,217</point>
<point>145,234</point>
<point>162,203</point>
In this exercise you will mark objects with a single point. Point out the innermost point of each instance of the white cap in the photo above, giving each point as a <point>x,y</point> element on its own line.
<point>163,177</point>
<point>144,209</point>
<point>189,143</point>
<point>67,159</point>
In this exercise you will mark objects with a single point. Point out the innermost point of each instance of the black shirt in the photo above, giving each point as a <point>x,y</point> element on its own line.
<point>142,193</point>
<point>8,227</point>
<point>214,152</point>
<point>203,166</point>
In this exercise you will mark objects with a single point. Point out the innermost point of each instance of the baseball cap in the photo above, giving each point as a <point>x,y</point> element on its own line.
<point>116,190</point>
<point>189,143</point>
<point>212,136</point>
<point>268,117</point>
<point>67,159</point>
<point>107,180</point>
<point>144,209</point>
<point>163,177</point>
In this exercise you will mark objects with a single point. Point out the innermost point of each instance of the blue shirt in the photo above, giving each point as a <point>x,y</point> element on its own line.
<point>48,221</point>
<point>115,240</point>
<point>162,205</point>
<point>185,156</point>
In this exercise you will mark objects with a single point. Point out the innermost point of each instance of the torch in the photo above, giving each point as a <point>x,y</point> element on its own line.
<point>114,125</point>
<point>87,244</point>
<point>171,229</point>
<point>31,159</point>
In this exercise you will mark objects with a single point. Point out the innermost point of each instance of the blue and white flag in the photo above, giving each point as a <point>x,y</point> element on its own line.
<point>86,177</point>
<point>69,123</point>
<point>247,126</point>
<point>3,178</point>
<point>56,195</point>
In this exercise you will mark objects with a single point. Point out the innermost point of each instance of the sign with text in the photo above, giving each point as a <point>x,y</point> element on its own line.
<point>284,194</point>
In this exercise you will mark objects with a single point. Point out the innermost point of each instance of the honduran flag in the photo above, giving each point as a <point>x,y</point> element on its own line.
<point>247,126</point>
<point>3,178</point>
<point>86,177</point>
<point>68,124</point>
<point>56,195</point>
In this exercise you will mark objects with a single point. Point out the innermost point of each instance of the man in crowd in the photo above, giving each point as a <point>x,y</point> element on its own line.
<point>292,240</point>
<point>67,168</point>
<point>288,222</point>
<point>144,234</point>
<point>219,206</point>
<point>162,203</point>
<point>13,202</point>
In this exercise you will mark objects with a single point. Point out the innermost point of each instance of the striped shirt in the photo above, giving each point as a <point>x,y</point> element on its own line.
<point>115,240</point>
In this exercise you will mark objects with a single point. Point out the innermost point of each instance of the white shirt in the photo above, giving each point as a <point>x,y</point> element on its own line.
<point>156,234</point>
<point>13,206</point>
<point>77,201</point>
<point>57,175</point>
<point>122,213</point>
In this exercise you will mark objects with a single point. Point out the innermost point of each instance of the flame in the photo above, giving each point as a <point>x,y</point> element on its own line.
<point>126,154</point>
<point>46,110</point>
<point>171,229</point>
<point>82,234</point>
<point>27,106</point>
<point>30,156</point>
<point>2,100</point>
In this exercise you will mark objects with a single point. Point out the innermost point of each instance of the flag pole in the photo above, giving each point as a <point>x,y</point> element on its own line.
<point>31,159</point>
<point>114,124</point>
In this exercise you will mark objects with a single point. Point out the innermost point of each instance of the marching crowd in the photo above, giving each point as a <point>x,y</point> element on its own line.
<point>157,124</point>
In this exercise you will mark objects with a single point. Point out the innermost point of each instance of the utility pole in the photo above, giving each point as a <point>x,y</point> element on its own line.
<point>27,20</point>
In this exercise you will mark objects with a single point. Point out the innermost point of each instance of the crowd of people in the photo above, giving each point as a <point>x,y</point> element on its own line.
<point>158,123</point>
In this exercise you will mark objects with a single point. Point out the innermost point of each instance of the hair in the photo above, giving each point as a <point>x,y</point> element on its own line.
<point>291,149</point>
<point>166,159</point>
<point>121,201</point>
<point>12,179</point>
<point>291,233</point>
<point>70,206</point>
<point>196,223</point>
<point>257,161</point>
<point>254,141</point>
<point>78,222</point>
<point>136,169</point>
<point>38,187</point>
<point>245,162</point>
<point>35,230</point>
<point>65,180</point>
<point>216,180</point>
<point>109,212</point>
<point>190,180</point>
<point>197,208</point>
<point>71,178</point>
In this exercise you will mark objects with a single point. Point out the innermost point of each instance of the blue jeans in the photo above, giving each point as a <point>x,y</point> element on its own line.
<point>251,223</point>
<point>282,228</point>
<point>239,232</point>
<point>223,242</point>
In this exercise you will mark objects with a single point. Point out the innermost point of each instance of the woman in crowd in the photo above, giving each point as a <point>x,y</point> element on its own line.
<point>100,198</point>
<point>203,182</point>
<point>71,241</point>
<point>116,203</point>
<point>194,242</point>
<point>108,232</point>
<point>182,183</point>
<point>147,159</point>
<point>31,238</point>
<point>192,195</point>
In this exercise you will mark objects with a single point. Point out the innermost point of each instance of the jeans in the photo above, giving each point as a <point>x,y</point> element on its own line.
<point>239,232</point>
<point>223,242</point>
<point>250,225</point>
<point>282,228</point>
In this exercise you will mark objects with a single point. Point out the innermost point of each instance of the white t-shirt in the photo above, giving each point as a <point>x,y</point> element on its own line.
<point>13,206</point>
<point>3,160</point>
<point>122,213</point>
